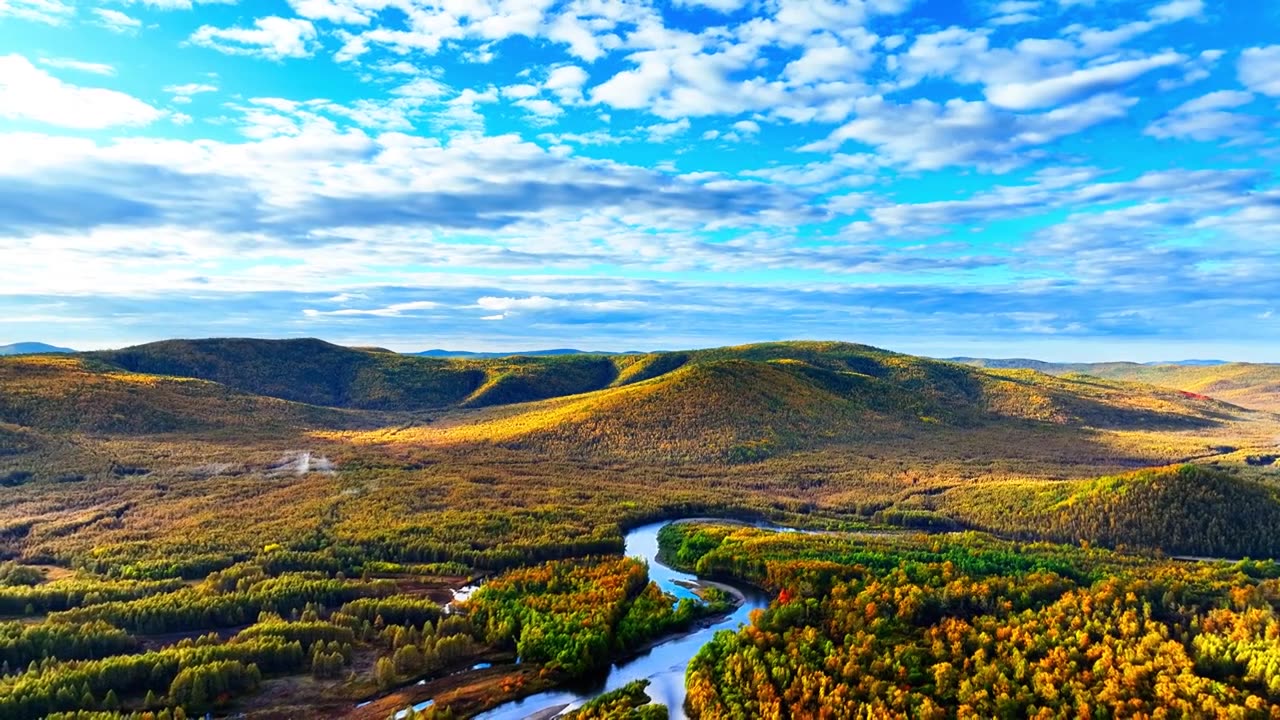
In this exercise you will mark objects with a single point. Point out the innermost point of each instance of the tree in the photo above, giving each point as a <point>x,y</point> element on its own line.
<point>384,672</point>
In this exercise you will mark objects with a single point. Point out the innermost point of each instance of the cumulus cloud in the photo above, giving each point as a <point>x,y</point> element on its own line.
<point>184,92</point>
<point>927,135</point>
<point>116,21</point>
<point>272,38</point>
<point>29,93</point>
<point>49,12</point>
<point>566,82</point>
<point>318,178</point>
<point>1259,69</point>
<point>539,160</point>
<point>343,12</point>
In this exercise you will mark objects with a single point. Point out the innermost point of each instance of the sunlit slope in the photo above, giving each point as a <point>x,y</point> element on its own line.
<point>871,379</point>
<point>742,404</point>
<point>1250,385</point>
<point>1245,384</point>
<point>953,392</point>
<point>72,394</point>
<point>1184,510</point>
<point>727,408</point>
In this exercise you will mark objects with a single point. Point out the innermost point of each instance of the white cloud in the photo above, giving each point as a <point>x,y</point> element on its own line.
<point>182,94</point>
<point>422,87</point>
<point>1176,10</point>
<point>1220,100</point>
<point>189,89</point>
<point>747,127</point>
<point>346,12</point>
<point>29,93</point>
<point>116,21</point>
<point>1259,69</point>
<point>724,6</point>
<point>828,62</point>
<point>1195,70</point>
<point>78,65</point>
<point>428,26</point>
<point>927,135</point>
<point>1206,118</point>
<point>1015,12</point>
<point>566,82</point>
<point>395,310</point>
<point>273,38</point>
<point>180,4</point>
<point>1079,83</point>
<point>662,132</point>
<point>50,12</point>
<point>520,91</point>
<point>507,306</point>
<point>540,107</point>
<point>1009,7</point>
<point>331,201</point>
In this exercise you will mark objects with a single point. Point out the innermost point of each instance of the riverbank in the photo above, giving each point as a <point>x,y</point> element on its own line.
<point>661,661</point>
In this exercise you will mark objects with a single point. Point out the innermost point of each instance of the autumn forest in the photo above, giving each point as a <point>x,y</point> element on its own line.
<point>295,529</point>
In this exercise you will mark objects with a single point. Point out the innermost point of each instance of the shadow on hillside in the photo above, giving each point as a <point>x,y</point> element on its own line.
<point>1106,415</point>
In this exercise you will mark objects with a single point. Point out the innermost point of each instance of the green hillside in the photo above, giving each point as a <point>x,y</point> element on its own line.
<point>306,370</point>
<point>749,403</point>
<point>320,373</point>
<point>75,394</point>
<point>1187,510</point>
<point>1245,384</point>
<point>1250,385</point>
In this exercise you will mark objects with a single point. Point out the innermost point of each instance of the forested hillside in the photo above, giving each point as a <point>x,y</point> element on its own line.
<point>313,506</point>
<point>320,373</point>
<point>1183,511</point>
<point>753,402</point>
<point>1251,385</point>
<point>76,393</point>
<point>967,626</point>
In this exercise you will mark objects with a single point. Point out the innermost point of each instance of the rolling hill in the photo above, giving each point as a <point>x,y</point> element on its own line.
<point>752,402</point>
<point>1250,385</point>
<point>529,451</point>
<point>1186,510</point>
<point>75,394</point>
<point>320,373</point>
<point>730,404</point>
<point>439,353</point>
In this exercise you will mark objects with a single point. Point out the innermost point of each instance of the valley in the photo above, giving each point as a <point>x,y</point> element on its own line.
<point>311,505</point>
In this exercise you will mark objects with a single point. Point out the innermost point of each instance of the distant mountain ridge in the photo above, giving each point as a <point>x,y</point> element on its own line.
<point>1030,364</point>
<point>32,348</point>
<point>736,404</point>
<point>438,353</point>
<point>1251,385</point>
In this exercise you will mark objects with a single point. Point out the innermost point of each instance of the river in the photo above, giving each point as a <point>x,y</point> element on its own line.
<point>663,665</point>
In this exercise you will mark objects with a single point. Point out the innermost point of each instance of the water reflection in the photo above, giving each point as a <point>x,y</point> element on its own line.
<point>663,665</point>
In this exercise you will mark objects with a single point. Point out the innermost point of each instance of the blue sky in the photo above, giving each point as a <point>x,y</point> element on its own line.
<point>1067,179</point>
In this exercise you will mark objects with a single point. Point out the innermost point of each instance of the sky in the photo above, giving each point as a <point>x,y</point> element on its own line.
<point>1064,179</point>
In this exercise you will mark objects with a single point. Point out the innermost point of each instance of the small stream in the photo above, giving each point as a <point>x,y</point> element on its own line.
<point>663,665</point>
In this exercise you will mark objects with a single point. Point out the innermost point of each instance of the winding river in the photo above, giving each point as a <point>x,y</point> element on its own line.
<point>663,665</point>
